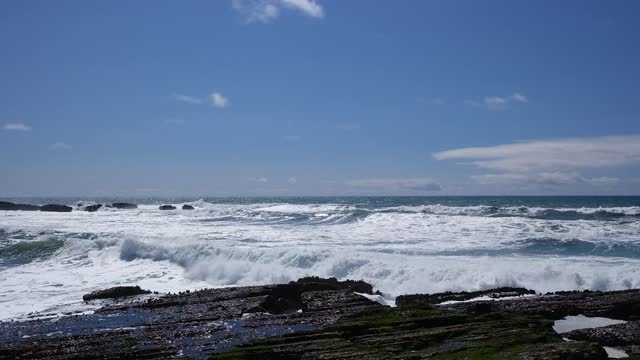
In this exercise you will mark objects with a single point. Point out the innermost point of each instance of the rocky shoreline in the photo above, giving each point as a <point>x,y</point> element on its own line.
<point>315,318</point>
<point>91,207</point>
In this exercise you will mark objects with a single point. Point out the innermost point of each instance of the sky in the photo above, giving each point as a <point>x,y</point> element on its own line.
<point>324,97</point>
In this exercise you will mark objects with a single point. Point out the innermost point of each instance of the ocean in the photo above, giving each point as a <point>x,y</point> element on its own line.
<point>399,244</point>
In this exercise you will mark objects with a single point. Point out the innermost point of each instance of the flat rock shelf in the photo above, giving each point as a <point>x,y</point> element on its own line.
<point>315,318</point>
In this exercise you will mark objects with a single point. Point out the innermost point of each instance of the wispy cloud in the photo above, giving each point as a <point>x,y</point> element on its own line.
<point>292,180</point>
<point>417,184</point>
<point>219,100</point>
<point>256,10</point>
<point>549,161</point>
<point>347,126</point>
<point>16,127</point>
<point>267,11</point>
<point>552,155</point>
<point>498,102</point>
<point>308,7</point>
<point>260,179</point>
<point>187,99</point>
<point>61,146</point>
<point>545,178</point>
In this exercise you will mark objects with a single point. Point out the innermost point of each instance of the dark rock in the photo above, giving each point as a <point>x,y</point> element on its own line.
<point>622,305</point>
<point>312,318</point>
<point>56,208</point>
<point>5,205</point>
<point>167,207</point>
<point>115,292</point>
<point>122,205</point>
<point>197,323</point>
<point>422,333</point>
<point>317,283</point>
<point>92,208</point>
<point>187,207</point>
<point>624,336</point>
<point>427,299</point>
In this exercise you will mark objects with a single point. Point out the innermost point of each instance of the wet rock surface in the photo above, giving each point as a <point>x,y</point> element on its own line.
<point>426,299</point>
<point>167,207</point>
<point>622,336</point>
<point>115,292</point>
<point>191,324</point>
<point>622,305</point>
<point>92,208</point>
<point>187,207</point>
<point>5,205</point>
<point>56,208</point>
<point>123,205</point>
<point>315,318</point>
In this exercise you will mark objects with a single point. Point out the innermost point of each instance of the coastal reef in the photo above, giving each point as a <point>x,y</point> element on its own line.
<point>315,318</point>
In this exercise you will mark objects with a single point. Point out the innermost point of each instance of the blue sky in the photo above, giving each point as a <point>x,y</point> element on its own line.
<point>301,97</point>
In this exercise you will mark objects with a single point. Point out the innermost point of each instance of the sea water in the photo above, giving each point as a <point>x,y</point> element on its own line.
<point>399,244</point>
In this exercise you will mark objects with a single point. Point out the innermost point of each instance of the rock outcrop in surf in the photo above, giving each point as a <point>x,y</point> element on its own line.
<point>56,208</point>
<point>115,292</point>
<point>9,206</point>
<point>124,205</point>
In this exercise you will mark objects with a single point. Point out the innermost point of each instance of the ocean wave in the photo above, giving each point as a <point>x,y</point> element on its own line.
<point>393,273</point>
<point>27,251</point>
<point>554,247</point>
<point>522,211</point>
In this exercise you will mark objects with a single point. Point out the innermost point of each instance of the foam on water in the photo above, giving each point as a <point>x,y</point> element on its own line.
<point>48,259</point>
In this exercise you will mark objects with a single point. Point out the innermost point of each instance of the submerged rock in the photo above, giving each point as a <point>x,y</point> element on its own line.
<point>115,292</point>
<point>167,207</point>
<point>187,207</point>
<point>123,205</point>
<point>56,208</point>
<point>5,205</point>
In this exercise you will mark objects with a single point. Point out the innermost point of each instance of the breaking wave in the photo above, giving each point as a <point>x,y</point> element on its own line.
<point>400,245</point>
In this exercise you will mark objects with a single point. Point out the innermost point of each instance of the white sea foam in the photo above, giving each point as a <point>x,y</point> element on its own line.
<point>400,249</point>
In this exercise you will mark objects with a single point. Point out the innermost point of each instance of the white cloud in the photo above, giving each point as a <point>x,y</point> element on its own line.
<point>519,98</point>
<point>187,99</point>
<point>16,127</point>
<point>267,11</point>
<point>260,179</point>
<point>494,101</point>
<point>552,155</point>
<point>61,146</point>
<point>292,180</point>
<point>218,100</point>
<point>418,184</point>
<point>498,102</point>
<point>309,7</point>
<point>264,11</point>
<point>550,162</point>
